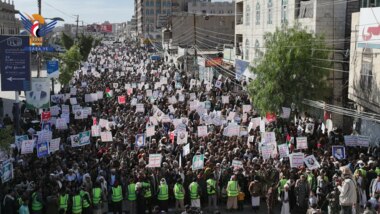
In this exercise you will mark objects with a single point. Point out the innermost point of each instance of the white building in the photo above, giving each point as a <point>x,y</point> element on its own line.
<point>9,25</point>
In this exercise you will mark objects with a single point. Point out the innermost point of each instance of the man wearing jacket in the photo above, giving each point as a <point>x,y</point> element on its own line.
<point>348,194</point>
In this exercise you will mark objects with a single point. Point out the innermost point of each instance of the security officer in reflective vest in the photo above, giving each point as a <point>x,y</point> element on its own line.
<point>86,201</point>
<point>97,198</point>
<point>147,194</point>
<point>211,192</point>
<point>76,203</point>
<point>131,195</point>
<point>37,203</point>
<point>179,194</point>
<point>117,198</point>
<point>163,195</point>
<point>194,194</point>
<point>63,201</point>
<point>232,193</point>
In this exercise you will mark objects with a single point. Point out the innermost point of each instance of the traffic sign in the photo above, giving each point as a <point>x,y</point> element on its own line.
<point>14,63</point>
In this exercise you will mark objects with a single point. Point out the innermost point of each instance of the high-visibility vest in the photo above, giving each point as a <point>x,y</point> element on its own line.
<point>96,195</point>
<point>178,192</point>
<point>377,170</point>
<point>194,190</point>
<point>85,203</point>
<point>36,205</point>
<point>163,193</point>
<point>282,184</point>
<point>132,192</point>
<point>147,191</point>
<point>117,194</point>
<point>232,189</point>
<point>63,199</point>
<point>77,204</point>
<point>211,186</point>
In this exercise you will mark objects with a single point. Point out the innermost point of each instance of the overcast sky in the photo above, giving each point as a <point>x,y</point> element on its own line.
<point>89,11</point>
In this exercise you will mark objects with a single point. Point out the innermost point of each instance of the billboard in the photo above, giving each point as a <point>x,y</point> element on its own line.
<point>39,95</point>
<point>106,28</point>
<point>369,28</point>
<point>14,63</point>
<point>213,62</point>
<point>240,66</point>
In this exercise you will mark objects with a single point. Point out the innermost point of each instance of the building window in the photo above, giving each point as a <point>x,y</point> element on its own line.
<point>257,49</point>
<point>247,15</point>
<point>370,3</point>
<point>284,11</point>
<point>147,3</point>
<point>152,3</point>
<point>366,71</point>
<point>246,55</point>
<point>151,12</point>
<point>257,13</point>
<point>147,12</point>
<point>158,4</point>
<point>270,12</point>
<point>158,11</point>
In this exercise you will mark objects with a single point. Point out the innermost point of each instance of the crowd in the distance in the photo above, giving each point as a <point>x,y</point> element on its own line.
<point>116,176</point>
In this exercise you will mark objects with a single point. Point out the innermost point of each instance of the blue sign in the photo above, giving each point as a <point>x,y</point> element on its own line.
<point>155,57</point>
<point>43,149</point>
<point>14,63</point>
<point>39,49</point>
<point>240,67</point>
<point>52,68</point>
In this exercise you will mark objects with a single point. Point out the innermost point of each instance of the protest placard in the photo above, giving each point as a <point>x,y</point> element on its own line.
<point>150,131</point>
<point>267,137</point>
<point>106,136</point>
<point>95,131</point>
<point>296,160</point>
<point>140,140</point>
<point>6,171</point>
<point>65,109</point>
<point>103,123</point>
<point>99,95</point>
<point>45,116</point>
<point>198,162</point>
<point>363,141</point>
<point>218,84</point>
<point>54,145</point>
<point>73,101</point>
<point>266,152</point>
<point>54,110</point>
<point>61,124</point>
<point>311,162</point>
<point>338,152</point>
<point>84,138</point>
<point>27,146</point>
<point>236,164</point>
<point>186,150</point>
<point>350,140</point>
<point>42,149</point>
<point>283,149</point>
<point>140,107</point>
<point>19,139</point>
<point>121,99</point>
<point>202,131</point>
<point>225,99</point>
<point>285,113</point>
<point>301,142</point>
<point>155,160</point>
<point>182,137</point>
<point>262,125</point>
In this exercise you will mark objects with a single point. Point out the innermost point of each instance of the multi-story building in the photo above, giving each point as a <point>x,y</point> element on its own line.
<point>255,18</point>
<point>211,7</point>
<point>364,75</point>
<point>9,25</point>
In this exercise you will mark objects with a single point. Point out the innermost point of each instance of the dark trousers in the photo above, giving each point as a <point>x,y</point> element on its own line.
<point>164,205</point>
<point>240,205</point>
<point>117,207</point>
<point>346,210</point>
<point>148,202</point>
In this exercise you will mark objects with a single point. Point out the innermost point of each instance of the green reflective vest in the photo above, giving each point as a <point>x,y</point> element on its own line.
<point>117,194</point>
<point>96,195</point>
<point>36,205</point>
<point>232,189</point>
<point>163,193</point>
<point>194,190</point>
<point>63,199</point>
<point>132,192</point>
<point>178,192</point>
<point>147,191</point>
<point>85,203</point>
<point>77,204</point>
<point>377,170</point>
<point>211,186</point>
<point>282,184</point>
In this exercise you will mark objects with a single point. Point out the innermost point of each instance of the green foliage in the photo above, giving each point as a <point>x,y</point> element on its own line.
<point>7,138</point>
<point>67,41</point>
<point>85,45</point>
<point>70,63</point>
<point>287,74</point>
<point>97,42</point>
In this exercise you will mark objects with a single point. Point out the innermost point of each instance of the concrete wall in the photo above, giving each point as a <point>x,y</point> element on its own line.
<point>211,7</point>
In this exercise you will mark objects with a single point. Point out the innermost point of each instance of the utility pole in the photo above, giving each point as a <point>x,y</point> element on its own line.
<point>37,54</point>
<point>39,7</point>
<point>76,34</point>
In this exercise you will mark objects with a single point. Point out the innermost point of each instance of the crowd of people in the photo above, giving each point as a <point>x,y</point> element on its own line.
<point>233,174</point>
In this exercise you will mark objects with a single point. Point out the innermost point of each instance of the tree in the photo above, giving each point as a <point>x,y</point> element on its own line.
<point>70,63</point>
<point>7,138</point>
<point>67,41</point>
<point>85,45</point>
<point>287,73</point>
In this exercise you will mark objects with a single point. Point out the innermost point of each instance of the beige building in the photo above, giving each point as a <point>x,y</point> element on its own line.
<point>211,7</point>
<point>9,25</point>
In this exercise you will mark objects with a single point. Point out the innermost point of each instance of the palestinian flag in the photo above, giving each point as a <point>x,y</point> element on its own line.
<point>109,93</point>
<point>290,142</point>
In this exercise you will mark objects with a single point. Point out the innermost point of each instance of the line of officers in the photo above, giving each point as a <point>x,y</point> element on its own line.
<point>139,197</point>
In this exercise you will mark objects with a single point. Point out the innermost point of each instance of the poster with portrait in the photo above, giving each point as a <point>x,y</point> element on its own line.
<point>19,139</point>
<point>198,162</point>
<point>43,149</point>
<point>182,137</point>
<point>57,98</point>
<point>339,152</point>
<point>39,95</point>
<point>140,140</point>
<point>311,162</point>
<point>74,140</point>
<point>84,138</point>
<point>6,171</point>
<point>283,149</point>
<point>27,147</point>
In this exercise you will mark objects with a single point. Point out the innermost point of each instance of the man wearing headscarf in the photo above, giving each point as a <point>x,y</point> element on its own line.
<point>348,192</point>
<point>163,195</point>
